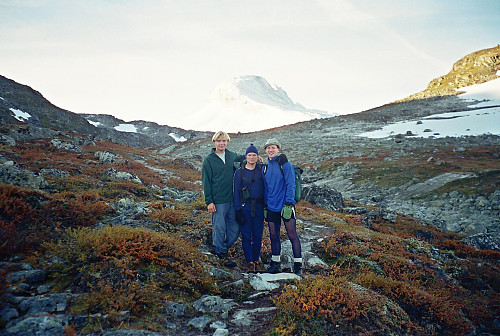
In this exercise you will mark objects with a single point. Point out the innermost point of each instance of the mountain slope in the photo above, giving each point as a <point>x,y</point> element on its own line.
<point>15,96</point>
<point>20,104</point>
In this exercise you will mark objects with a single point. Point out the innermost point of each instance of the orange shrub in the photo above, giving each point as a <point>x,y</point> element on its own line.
<point>316,305</point>
<point>29,217</point>
<point>122,268</point>
<point>163,213</point>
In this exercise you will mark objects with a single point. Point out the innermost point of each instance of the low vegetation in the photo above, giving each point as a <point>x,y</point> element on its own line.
<point>443,286</point>
<point>119,268</point>
<point>384,277</point>
<point>390,169</point>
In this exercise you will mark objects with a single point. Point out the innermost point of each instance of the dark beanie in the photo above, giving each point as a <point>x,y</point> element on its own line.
<point>252,149</point>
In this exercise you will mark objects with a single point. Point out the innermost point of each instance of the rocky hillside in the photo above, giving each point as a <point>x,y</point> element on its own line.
<point>38,115</point>
<point>476,68</point>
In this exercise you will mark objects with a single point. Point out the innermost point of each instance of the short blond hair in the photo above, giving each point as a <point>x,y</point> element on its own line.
<point>221,134</point>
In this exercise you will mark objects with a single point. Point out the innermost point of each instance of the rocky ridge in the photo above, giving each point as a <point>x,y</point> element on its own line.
<point>476,68</point>
<point>44,117</point>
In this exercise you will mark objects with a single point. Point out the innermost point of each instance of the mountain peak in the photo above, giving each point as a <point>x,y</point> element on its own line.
<point>249,103</point>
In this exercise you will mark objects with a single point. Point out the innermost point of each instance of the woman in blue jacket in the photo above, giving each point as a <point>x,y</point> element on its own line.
<point>248,196</point>
<point>279,182</point>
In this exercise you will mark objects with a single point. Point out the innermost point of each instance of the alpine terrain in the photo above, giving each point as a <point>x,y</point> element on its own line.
<point>104,229</point>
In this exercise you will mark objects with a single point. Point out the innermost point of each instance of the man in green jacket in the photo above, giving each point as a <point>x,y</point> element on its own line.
<point>217,177</point>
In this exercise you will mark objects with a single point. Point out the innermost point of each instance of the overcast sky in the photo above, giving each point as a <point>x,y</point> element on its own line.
<point>159,60</point>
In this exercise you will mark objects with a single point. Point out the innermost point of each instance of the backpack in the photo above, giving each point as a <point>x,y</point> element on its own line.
<point>298,180</point>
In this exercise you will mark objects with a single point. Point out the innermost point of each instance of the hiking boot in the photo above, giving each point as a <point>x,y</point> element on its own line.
<point>227,260</point>
<point>250,267</point>
<point>274,267</point>
<point>229,263</point>
<point>257,267</point>
<point>297,268</point>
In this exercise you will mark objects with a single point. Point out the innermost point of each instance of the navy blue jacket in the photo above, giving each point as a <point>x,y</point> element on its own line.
<point>256,187</point>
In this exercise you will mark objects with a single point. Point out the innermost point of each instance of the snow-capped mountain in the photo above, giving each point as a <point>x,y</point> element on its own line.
<point>249,103</point>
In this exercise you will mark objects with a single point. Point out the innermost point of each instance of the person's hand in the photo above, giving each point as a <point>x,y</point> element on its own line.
<point>211,208</point>
<point>240,218</point>
<point>287,210</point>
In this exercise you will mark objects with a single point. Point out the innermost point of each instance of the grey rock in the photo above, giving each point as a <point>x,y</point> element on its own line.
<point>483,241</point>
<point>200,323</point>
<point>43,289</point>
<point>245,317</point>
<point>208,303</point>
<point>54,172</point>
<point>8,313</point>
<point>221,332</point>
<point>266,281</point>
<point>108,157</point>
<point>7,140</point>
<point>50,303</point>
<point>125,332</point>
<point>121,175</point>
<point>11,174</point>
<point>174,308</point>
<point>30,276</point>
<point>38,325</point>
<point>323,196</point>
<point>218,325</point>
<point>129,207</point>
<point>65,145</point>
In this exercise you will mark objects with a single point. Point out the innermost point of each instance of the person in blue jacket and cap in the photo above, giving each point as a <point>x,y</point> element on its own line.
<point>279,197</point>
<point>248,196</point>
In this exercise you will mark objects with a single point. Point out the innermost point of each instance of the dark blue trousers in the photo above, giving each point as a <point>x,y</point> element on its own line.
<point>251,232</point>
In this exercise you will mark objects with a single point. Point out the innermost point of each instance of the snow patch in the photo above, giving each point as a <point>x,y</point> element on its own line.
<point>95,123</point>
<point>177,138</point>
<point>455,124</point>
<point>130,128</point>
<point>487,93</point>
<point>20,115</point>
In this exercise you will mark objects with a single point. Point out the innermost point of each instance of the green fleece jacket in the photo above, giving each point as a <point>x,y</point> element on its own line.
<point>217,177</point>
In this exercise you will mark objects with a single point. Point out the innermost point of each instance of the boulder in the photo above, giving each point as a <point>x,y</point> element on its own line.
<point>323,196</point>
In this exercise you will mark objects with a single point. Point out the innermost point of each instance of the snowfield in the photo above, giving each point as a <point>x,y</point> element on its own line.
<point>485,120</point>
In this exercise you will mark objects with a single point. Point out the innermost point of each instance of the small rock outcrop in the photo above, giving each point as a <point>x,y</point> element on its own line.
<point>323,196</point>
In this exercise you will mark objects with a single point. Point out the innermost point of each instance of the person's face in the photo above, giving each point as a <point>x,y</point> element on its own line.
<point>252,158</point>
<point>220,144</point>
<point>272,151</point>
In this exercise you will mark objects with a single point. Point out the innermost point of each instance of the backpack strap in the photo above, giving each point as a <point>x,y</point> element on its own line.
<point>252,180</point>
<point>281,159</point>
